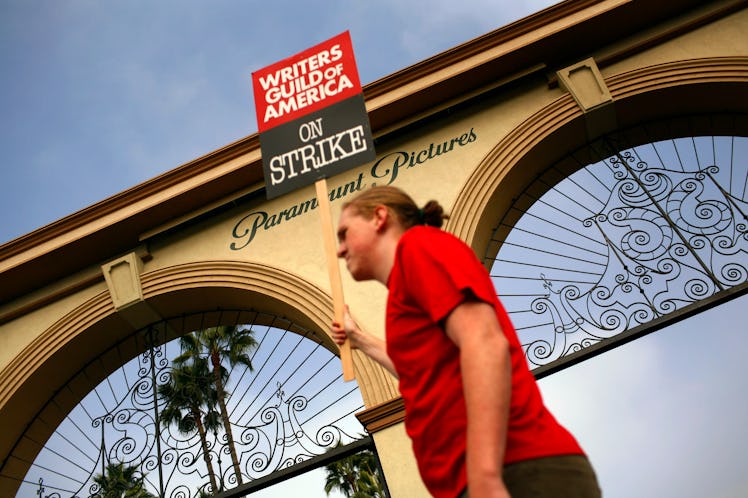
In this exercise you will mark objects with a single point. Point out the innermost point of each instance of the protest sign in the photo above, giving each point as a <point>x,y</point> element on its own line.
<point>311,116</point>
<point>313,124</point>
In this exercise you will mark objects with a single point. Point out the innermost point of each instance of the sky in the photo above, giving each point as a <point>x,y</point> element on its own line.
<point>98,96</point>
<point>101,95</point>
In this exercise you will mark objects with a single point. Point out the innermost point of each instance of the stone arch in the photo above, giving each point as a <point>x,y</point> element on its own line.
<point>42,384</point>
<point>688,87</point>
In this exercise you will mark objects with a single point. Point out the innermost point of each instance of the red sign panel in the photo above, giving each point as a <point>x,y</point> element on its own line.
<point>304,83</point>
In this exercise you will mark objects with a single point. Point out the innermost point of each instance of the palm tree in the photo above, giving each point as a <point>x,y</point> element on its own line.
<point>221,343</point>
<point>121,481</point>
<point>356,476</point>
<point>190,405</point>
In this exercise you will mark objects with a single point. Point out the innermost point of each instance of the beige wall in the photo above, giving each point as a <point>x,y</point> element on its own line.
<point>290,256</point>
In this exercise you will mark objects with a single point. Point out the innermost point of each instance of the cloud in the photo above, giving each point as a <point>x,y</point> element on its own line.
<point>103,96</point>
<point>445,24</point>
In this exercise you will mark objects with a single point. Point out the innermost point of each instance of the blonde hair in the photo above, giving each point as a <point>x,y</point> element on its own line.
<point>400,204</point>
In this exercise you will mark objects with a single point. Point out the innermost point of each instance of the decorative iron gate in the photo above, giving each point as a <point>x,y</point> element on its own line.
<point>590,258</point>
<point>157,421</point>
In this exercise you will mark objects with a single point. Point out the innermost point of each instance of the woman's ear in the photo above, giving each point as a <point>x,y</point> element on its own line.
<point>381,217</point>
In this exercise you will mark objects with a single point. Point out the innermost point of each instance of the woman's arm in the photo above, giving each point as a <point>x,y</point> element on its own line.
<point>485,364</point>
<point>369,344</point>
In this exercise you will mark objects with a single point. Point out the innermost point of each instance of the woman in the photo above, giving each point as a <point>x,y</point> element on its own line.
<point>472,407</point>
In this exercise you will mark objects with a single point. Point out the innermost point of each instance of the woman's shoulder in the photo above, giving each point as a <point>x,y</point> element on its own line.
<point>431,239</point>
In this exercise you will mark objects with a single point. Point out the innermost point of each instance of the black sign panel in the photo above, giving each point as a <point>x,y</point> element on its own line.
<point>317,145</point>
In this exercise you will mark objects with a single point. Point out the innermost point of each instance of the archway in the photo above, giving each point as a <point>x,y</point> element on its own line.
<point>668,101</point>
<point>648,235</point>
<point>46,382</point>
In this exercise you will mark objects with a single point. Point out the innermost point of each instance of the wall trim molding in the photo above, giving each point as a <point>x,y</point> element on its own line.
<point>382,416</point>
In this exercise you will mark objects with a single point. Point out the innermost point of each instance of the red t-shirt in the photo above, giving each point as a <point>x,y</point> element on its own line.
<point>433,273</point>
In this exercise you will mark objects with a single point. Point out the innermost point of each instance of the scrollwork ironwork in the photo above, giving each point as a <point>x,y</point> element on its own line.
<point>170,458</point>
<point>672,238</point>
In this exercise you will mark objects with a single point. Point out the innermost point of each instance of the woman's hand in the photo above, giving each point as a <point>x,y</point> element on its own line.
<point>346,330</point>
<point>368,344</point>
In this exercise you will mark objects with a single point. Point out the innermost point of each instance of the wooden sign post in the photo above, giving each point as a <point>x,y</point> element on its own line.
<point>333,269</point>
<point>313,125</point>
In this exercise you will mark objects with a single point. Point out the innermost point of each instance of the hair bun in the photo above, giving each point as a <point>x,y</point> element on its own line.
<point>433,214</point>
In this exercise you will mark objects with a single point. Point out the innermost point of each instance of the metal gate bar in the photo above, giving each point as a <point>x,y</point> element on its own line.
<point>366,443</point>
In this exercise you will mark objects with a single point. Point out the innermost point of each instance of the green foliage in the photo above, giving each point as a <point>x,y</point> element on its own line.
<point>356,476</point>
<point>121,481</point>
<point>214,346</point>
<point>191,405</point>
<point>190,398</point>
